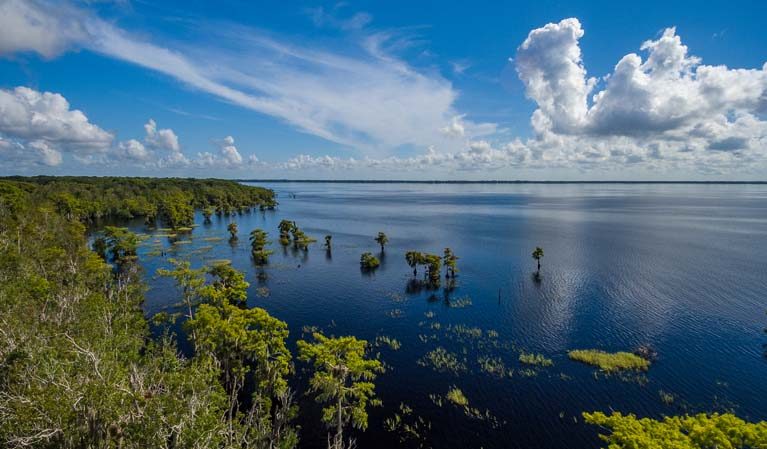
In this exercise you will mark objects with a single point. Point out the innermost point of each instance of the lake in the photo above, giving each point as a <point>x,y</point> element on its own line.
<point>681,269</point>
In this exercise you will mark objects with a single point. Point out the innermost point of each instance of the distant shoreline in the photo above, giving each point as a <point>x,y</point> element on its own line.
<point>382,181</point>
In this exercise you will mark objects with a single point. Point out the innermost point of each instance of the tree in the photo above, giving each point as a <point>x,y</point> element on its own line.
<point>342,379</point>
<point>229,285</point>
<point>414,258</point>
<point>207,212</point>
<point>450,260</point>
<point>258,242</point>
<point>232,228</point>
<point>328,242</point>
<point>537,254</point>
<point>434,265</point>
<point>369,262</point>
<point>122,244</point>
<point>300,239</point>
<point>382,240</point>
<point>286,227</point>
<point>190,280</point>
<point>248,342</point>
<point>699,431</point>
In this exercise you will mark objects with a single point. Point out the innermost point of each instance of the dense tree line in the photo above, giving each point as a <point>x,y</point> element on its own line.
<point>79,368</point>
<point>173,200</point>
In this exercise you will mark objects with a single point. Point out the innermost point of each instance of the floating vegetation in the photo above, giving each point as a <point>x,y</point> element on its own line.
<point>442,361</point>
<point>429,315</point>
<point>491,333</point>
<point>528,372</point>
<point>310,329</point>
<point>666,397</point>
<point>463,331</point>
<point>263,292</point>
<point>212,239</point>
<point>427,338</point>
<point>396,313</point>
<point>396,297</point>
<point>220,262</point>
<point>408,427</point>
<point>392,343</point>
<point>184,229</point>
<point>610,362</point>
<point>493,366</point>
<point>182,242</point>
<point>456,396</point>
<point>154,253</point>
<point>459,303</point>
<point>535,359</point>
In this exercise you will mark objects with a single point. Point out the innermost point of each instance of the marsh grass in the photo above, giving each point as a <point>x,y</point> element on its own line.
<point>392,343</point>
<point>493,366</point>
<point>459,303</point>
<point>610,362</point>
<point>535,359</point>
<point>456,396</point>
<point>443,361</point>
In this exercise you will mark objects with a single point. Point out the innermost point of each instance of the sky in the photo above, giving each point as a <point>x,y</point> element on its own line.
<point>478,90</point>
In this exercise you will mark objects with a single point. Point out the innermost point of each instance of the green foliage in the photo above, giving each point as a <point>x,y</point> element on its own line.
<point>233,229</point>
<point>537,255</point>
<point>228,286</point>
<point>120,244</point>
<point>451,263</point>
<point>443,361</point>
<point>610,362</point>
<point>456,396</point>
<point>382,240</point>
<point>700,431</point>
<point>258,241</point>
<point>286,228</point>
<point>171,199</point>
<point>342,379</point>
<point>300,239</point>
<point>431,262</point>
<point>535,359</point>
<point>368,261</point>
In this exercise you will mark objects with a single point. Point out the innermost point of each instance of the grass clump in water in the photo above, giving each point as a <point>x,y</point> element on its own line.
<point>442,361</point>
<point>610,362</point>
<point>535,359</point>
<point>391,342</point>
<point>493,366</point>
<point>456,396</point>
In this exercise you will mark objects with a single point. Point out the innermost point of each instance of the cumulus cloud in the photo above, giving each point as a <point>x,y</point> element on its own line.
<point>43,124</point>
<point>666,106</point>
<point>26,27</point>
<point>228,156</point>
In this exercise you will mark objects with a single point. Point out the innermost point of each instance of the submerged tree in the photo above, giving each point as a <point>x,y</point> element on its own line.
<point>343,380</point>
<point>328,242</point>
<point>258,242</point>
<point>382,240</point>
<point>207,212</point>
<point>300,239</point>
<point>369,262</point>
<point>537,254</point>
<point>232,228</point>
<point>433,263</point>
<point>414,258</point>
<point>451,261</point>
<point>285,227</point>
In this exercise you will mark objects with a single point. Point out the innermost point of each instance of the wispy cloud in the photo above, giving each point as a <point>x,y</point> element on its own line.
<point>363,97</point>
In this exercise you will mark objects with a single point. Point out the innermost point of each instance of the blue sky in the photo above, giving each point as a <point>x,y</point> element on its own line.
<point>391,90</point>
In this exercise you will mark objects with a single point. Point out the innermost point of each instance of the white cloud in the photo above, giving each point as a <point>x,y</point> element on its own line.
<point>382,103</point>
<point>228,157</point>
<point>43,124</point>
<point>24,26</point>
<point>164,139</point>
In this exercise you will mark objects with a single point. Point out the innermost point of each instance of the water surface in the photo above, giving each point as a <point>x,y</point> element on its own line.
<point>680,268</point>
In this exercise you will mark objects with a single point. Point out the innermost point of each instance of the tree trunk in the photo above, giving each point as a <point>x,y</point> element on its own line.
<point>339,425</point>
<point>539,265</point>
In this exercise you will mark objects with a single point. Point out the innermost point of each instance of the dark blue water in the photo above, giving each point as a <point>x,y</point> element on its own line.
<point>680,268</point>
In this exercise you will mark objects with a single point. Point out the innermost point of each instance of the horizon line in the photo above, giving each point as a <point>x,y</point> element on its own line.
<point>518,181</point>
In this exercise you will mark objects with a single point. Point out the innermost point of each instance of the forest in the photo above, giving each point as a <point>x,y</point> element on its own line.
<point>79,367</point>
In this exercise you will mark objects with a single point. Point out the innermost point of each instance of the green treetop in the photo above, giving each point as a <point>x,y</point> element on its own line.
<point>537,255</point>
<point>382,240</point>
<point>258,241</point>
<point>342,379</point>
<point>232,228</point>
